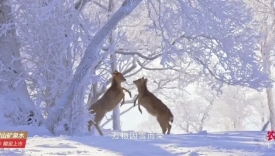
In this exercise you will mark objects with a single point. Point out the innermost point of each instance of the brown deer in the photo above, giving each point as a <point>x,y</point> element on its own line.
<point>109,100</point>
<point>153,105</point>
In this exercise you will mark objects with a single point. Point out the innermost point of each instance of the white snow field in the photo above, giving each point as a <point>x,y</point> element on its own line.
<point>41,142</point>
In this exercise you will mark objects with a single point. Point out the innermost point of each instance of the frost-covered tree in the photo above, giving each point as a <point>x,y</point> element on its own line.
<point>232,109</point>
<point>51,51</point>
<point>216,35</point>
<point>89,61</point>
<point>258,109</point>
<point>15,101</point>
<point>263,11</point>
<point>238,108</point>
<point>192,110</point>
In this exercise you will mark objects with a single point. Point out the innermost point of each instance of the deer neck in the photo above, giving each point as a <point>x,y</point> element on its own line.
<point>115,84</point>
<point>142,89</point>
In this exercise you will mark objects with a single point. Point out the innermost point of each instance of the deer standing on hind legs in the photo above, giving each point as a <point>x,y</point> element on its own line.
<point>153,105</point>
<point>109,100</point>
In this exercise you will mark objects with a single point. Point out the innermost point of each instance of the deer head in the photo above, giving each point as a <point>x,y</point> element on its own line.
<point>118,77</point>
<point>140,82</point>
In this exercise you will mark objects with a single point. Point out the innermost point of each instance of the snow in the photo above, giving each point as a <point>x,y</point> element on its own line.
<point>41,142</point>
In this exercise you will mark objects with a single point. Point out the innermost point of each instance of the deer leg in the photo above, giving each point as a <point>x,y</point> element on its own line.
<point>98,129</point>
<point>136,100</point>
<point>98,117</point>
<point>162,125</point>
<point>169,128</point>
<point>127,91</point>
<point>90,123</point>
<point>123,100</point>
<point>139,108</point>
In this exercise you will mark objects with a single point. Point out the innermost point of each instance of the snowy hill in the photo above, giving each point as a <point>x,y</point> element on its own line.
<point>41,142</point>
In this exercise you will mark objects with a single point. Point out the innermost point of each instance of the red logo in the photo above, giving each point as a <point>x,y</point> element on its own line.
<point>271,135</point>
<point>13,139</point>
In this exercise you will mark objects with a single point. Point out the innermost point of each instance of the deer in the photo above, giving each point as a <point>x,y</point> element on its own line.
<point>109,100</point>
<point>153,105</point>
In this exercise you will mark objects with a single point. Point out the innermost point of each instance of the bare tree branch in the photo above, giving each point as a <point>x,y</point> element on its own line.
<point>79,5</point>
<point>146,68</point>
<point>100,5</point>
<point>193,37</point>
<point>122,52</point>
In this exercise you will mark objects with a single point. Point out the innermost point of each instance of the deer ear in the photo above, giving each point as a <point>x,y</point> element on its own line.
<point>114,73</point>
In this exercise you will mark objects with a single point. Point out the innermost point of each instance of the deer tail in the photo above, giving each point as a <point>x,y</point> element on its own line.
<point>171,119</point>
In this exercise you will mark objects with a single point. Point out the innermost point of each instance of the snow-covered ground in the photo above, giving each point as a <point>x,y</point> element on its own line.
<point>41,142</point>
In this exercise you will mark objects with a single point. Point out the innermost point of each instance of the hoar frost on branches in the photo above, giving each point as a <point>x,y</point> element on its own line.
<point>50,47</point>
<point>218,34</point>
<point>15,102</point>
<point>89,61</point>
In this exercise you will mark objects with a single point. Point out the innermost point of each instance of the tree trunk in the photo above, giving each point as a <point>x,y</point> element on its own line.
<point>267,66</point>
<point>270,102</point>
<point>89,61</point>
<point>13,89</point>
<point>116,111</point>
<point>265,126</point>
